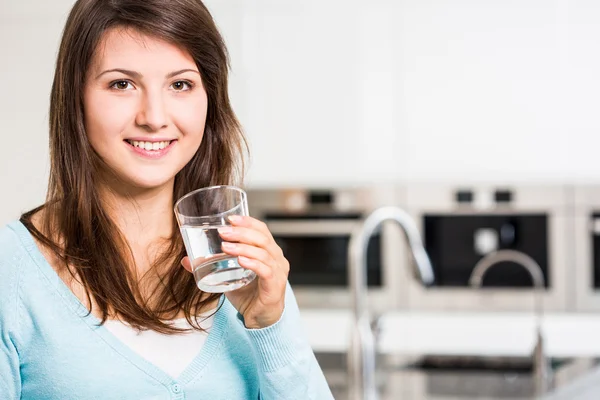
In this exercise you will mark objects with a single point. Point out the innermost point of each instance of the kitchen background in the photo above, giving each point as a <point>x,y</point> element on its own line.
<point>344,92</point>
<point>479,118</point>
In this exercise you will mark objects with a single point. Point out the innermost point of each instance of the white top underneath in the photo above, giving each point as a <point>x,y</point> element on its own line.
<point>171,353</point>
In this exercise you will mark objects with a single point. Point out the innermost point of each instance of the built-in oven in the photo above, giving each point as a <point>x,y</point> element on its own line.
<point>463,225</point>
<point>586,242</point>
<point>313,227</point>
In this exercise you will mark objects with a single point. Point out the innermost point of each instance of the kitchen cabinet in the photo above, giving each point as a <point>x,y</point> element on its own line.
<point>302,92</point>
<point>344,92</point>
<point>313,85</point>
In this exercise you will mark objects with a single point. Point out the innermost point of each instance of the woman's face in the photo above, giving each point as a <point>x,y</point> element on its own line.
<point>145,107</point>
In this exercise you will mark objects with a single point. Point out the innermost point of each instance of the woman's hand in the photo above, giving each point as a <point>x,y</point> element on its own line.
<point>260,302</point>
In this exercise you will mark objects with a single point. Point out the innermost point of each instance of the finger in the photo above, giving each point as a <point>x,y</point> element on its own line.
<point>248,251</point>
<point>252,223</point>
<point>261,270</point>
<point>185,261</point>
<point>241,231</point>
<point>249,236</point>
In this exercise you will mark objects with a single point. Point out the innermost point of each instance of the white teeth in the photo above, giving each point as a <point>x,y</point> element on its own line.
<point>149,146</point>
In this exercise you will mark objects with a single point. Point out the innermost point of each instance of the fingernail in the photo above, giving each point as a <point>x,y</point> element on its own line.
<point>225,229</point>
<point>246,260</point>
<point>235,218</point>
<point>228,246</point>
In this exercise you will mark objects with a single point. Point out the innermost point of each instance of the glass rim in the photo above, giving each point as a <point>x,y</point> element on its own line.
<point>204,189</point>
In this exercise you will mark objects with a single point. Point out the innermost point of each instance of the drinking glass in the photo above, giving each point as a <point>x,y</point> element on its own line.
<point>200,214</point>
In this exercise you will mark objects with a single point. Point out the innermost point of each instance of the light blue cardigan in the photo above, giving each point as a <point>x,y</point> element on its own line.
<point>50,349</point>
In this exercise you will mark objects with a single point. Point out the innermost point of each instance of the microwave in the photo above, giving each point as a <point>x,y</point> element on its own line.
<point>313,227</point>
<point>461,225</point>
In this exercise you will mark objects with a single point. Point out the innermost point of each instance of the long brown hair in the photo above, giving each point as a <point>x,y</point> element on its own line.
<point>75,224</point>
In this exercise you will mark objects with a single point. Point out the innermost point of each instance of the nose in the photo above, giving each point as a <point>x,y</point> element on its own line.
<point>152,115</point>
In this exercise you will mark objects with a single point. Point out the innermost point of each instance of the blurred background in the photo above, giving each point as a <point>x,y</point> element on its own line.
<point>477,118</point>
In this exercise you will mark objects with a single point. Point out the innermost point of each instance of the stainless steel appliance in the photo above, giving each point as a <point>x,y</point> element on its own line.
<point>586,245</point>
<point>461,225</point>
<point>313,227</point>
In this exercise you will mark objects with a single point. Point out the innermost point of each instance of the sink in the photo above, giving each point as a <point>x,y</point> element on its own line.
<point>476,377</point>
<point>435,377</point>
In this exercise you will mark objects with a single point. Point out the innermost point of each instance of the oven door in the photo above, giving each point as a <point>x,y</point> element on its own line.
<point>317,249</point>
<point>587,257</point>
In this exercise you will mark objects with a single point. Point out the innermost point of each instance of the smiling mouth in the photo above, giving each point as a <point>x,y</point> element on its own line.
<point>150,146</point>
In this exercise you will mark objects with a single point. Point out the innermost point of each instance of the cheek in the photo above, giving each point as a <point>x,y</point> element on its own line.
<point>105,118</point>
<point>190,118</point>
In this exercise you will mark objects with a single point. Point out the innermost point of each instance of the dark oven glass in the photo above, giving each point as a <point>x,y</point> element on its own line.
<point>449,241</point>
<point>323,260</point>
<point>596,251</point>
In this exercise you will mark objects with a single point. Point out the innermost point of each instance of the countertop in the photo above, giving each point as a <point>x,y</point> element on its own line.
<point>461,333</point>
<point>567,335</point>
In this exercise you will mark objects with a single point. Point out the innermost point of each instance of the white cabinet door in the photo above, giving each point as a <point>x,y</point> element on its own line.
<point>229,15</point>
<point>581,81</point>
<point>302,93</point>
<point>482,97</point>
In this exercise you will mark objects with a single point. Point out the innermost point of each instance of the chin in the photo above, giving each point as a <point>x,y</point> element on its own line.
<point>153,184</point>
<point>146,183</point>
<point>139,178</point>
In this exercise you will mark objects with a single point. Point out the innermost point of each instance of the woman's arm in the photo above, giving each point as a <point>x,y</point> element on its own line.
<point>288,369</point>
<point>10,376</point>
<point>268,311</point>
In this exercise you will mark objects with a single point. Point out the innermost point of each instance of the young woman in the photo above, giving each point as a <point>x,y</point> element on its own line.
<point>94,303</point>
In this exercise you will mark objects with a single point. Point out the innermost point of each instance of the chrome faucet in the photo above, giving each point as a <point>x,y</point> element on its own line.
<point>541,363</point>
<point>361,355</point>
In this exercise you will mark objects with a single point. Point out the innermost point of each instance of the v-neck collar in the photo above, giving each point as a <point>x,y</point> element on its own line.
<point>214,340</point>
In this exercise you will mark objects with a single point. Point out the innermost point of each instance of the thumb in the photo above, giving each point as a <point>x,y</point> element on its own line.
<point>185,262</point>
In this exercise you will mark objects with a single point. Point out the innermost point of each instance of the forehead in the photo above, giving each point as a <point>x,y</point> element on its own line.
<point>130,49</point>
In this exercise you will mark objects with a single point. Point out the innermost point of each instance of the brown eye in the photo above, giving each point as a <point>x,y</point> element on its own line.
<point>181,85</point>
<point>121,85</point>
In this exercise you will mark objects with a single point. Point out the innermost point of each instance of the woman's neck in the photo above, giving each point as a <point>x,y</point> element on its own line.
<point>142,216</point>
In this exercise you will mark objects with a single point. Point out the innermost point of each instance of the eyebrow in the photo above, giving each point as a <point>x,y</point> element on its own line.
<point>137,75</point>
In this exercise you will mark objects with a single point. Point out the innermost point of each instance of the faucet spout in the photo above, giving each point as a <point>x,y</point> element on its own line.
<point>361,357</point>
<point>541,363</point>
